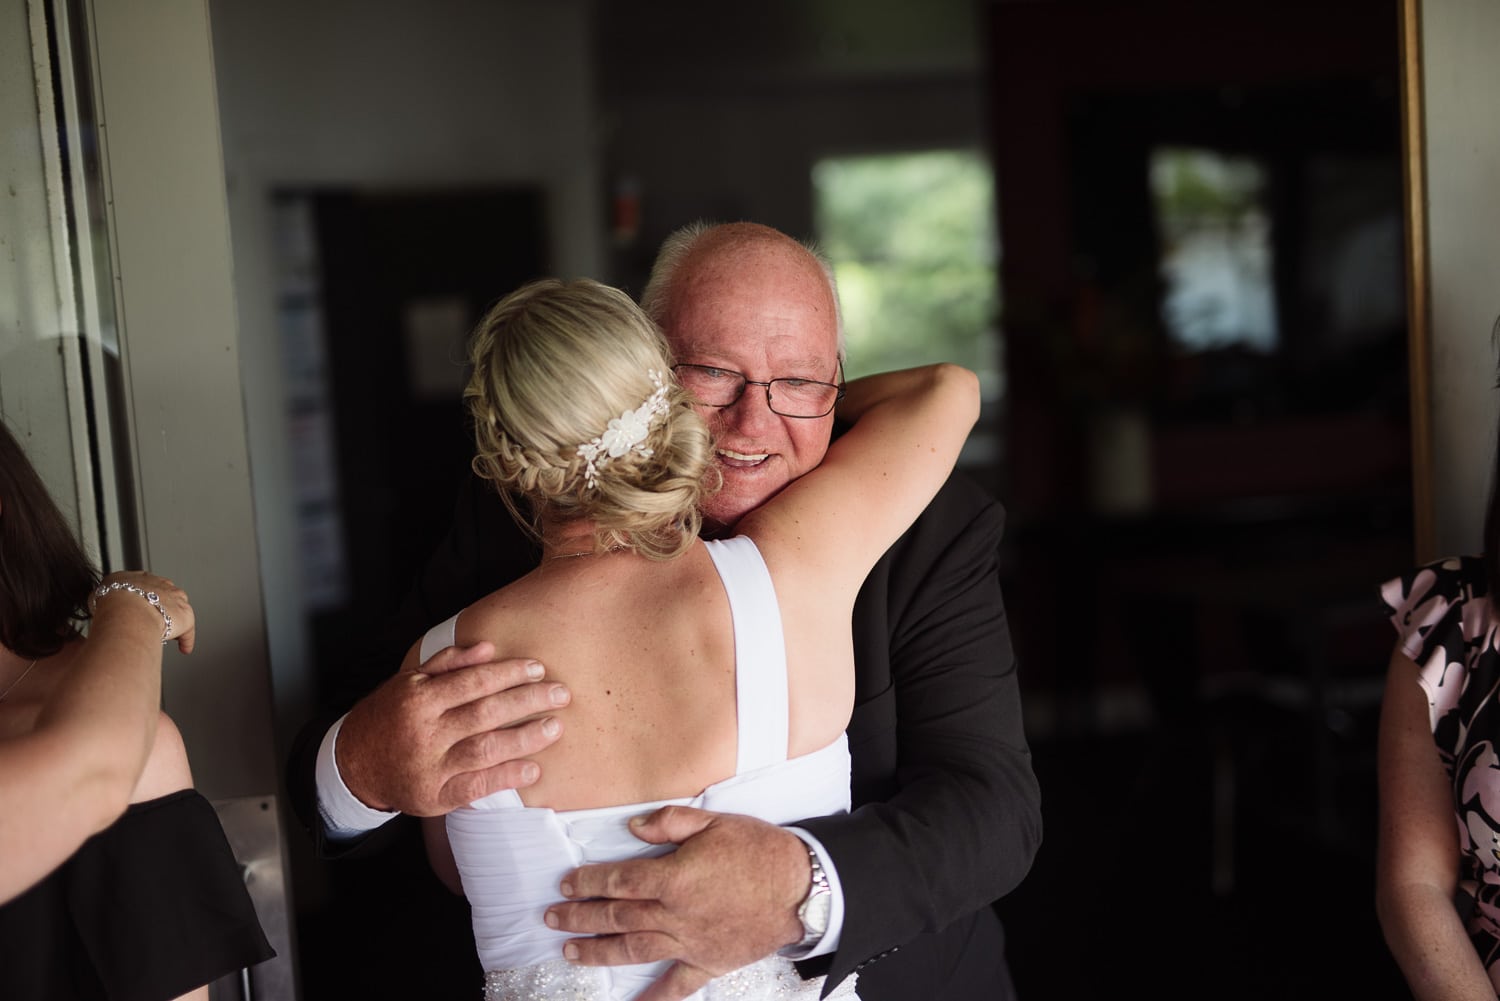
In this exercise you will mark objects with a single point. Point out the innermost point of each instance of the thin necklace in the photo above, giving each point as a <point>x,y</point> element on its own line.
<point>586,552</point>
<point>11,687</point>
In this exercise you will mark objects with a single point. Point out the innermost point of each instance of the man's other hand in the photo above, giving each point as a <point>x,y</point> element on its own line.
<point>727,897</point>
<point>437,737</point>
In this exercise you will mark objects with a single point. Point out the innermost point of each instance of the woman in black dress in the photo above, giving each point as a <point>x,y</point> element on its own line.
<point>117,881</point>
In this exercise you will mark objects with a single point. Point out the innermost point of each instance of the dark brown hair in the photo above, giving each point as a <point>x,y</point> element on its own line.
<point>45,576</point>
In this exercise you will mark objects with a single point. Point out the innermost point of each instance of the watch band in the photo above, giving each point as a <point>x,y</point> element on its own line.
<point>813,912</point>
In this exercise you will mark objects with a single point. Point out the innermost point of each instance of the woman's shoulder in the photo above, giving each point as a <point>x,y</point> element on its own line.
<point>1443,602</point>
<point>497,609</point>
<point>1455,579</point>
<point>167,769</point>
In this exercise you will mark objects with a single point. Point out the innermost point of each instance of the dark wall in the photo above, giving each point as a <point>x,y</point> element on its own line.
<point>402,444</point>
<point>1201,665</point>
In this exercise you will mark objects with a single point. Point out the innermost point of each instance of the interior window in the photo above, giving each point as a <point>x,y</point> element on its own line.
<point>1215,233</point>
<point>915,249</point>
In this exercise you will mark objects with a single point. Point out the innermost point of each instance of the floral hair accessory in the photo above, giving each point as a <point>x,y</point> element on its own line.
<point>626,432</point>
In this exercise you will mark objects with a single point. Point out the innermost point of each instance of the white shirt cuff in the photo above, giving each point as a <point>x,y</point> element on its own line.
<point>344,816</point>
<point>830,940</point>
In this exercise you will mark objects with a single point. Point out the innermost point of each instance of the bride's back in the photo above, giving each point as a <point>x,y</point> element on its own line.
<point>647,649</point>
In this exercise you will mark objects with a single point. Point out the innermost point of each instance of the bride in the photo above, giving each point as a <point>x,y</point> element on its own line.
<point>716,674</point>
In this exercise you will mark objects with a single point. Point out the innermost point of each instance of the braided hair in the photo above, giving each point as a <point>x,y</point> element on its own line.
<point>553,363</point>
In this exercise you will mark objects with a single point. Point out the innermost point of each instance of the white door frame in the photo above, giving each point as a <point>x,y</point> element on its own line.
<point>148,75</point>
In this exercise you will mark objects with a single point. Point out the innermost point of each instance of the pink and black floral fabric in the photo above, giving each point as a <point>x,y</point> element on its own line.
<point>1446,624</point>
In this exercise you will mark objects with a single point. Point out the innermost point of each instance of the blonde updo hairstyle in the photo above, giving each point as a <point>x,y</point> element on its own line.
<point>553,363</point>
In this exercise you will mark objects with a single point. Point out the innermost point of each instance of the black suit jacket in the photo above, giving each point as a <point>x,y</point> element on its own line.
<point>947,814</point>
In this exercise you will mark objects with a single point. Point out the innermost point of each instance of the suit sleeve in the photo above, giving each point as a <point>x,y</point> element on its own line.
<point>482,550</point>
<point>952,822</point>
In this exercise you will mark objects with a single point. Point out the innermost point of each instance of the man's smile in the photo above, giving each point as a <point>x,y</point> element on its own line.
<point>741,460</point>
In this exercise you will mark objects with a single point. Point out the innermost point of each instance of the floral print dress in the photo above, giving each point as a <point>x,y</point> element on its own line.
<point>1446,624</point>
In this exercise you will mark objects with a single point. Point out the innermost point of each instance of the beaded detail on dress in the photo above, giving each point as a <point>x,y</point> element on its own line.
<point>772,977</point>
<point>559,980</point>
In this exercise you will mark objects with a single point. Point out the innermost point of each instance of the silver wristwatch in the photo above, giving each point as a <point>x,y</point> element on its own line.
<point>814,910</point>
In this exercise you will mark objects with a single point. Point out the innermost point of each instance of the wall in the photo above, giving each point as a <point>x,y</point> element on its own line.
<point>384,95</point>
<point>714,112</point>
<point>1463,225</point>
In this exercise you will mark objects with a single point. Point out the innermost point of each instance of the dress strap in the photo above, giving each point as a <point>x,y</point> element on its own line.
<point>443,635</point>
<point>759,652</point>
<point>439,636</point>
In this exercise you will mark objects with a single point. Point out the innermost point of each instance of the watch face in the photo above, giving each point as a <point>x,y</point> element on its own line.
<point>815,913</point>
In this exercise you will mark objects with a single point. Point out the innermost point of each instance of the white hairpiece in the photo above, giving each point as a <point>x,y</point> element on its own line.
<point>625,433</point>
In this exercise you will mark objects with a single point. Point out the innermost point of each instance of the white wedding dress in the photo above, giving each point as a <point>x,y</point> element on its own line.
<point>511,857</point>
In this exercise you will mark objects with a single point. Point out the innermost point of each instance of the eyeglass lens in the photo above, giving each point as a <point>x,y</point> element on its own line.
<point>717,387</point>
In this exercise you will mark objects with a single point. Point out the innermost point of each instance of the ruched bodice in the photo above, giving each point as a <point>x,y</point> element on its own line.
<point>511,857</point>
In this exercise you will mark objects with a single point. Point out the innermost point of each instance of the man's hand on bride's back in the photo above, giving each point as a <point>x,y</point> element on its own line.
<point>726,898</point>
<point>441,735</point>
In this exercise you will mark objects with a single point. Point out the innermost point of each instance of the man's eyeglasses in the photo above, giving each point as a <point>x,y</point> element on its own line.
<point>720,387</point>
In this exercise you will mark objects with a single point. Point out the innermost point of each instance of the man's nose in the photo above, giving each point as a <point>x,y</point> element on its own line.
<point>751,412</point>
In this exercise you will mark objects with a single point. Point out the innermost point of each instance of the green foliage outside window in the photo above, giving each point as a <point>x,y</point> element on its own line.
<point>913,242</point>
<point>1195,188</point>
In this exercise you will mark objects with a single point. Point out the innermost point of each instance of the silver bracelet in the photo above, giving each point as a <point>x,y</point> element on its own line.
<point>150,596</point>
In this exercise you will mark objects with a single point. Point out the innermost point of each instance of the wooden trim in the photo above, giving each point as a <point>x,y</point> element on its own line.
<point>1418,294</point>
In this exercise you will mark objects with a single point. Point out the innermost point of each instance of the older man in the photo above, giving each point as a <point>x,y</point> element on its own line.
<point>946,814</point>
